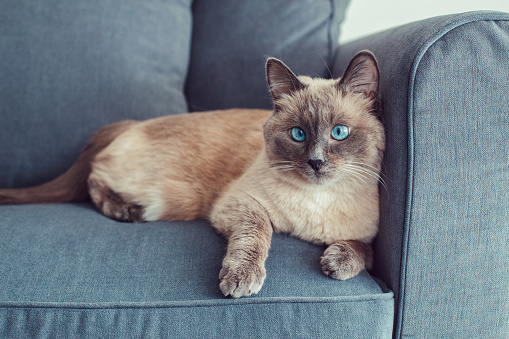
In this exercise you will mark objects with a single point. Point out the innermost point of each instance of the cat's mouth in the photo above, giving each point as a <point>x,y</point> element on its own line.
<point>319,177</point>
<point>304,173</point>
<point>318,171</point>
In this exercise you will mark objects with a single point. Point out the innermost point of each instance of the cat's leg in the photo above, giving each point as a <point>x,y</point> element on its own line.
<point>111,203</point>
<point>345,259</point>
<point>246,225</point>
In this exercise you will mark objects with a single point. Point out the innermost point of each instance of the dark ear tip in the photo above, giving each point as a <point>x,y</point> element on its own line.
<point>362,74</point>
<point>366,54</point>
<point>271,61</point>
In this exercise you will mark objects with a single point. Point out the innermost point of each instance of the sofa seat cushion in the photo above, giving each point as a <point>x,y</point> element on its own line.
<point>70,67</point>
<point>68,271</point>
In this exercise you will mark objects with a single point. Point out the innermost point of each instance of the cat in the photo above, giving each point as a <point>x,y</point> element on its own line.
<point>309,168</point>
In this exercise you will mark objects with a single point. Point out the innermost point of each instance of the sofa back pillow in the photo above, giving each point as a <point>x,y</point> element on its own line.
<point>232,39</point>
<point>69,67</point>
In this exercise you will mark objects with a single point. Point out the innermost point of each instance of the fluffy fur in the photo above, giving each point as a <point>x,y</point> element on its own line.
<point>242,170</point>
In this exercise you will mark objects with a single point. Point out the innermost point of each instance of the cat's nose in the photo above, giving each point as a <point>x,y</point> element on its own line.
<point>315,164</point>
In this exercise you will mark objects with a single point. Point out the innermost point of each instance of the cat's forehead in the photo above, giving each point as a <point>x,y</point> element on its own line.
<point>322,100</point>
<point>316,82</point>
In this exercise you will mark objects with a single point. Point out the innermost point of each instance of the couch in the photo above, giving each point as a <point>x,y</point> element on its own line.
<point>441,255</point>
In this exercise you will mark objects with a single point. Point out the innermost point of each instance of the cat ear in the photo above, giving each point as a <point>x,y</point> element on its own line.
<point>361,75</point>
<point>281,79</point>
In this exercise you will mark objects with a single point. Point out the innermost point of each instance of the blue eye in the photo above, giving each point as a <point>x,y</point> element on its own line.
<point>297,134</point>
<point>340,132</point>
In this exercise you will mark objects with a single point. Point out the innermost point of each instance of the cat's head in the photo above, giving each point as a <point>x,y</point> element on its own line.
<point>325,131</point>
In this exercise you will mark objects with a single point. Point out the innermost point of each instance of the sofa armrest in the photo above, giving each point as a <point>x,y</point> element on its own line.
<point>443,244</point>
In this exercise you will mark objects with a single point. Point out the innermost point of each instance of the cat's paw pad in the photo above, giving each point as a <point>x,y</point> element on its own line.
<point>341,262</point>
<point>240,279</point>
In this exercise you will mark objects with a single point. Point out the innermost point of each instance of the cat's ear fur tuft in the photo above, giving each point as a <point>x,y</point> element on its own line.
<point>361,75</point>
<point>281,79</point>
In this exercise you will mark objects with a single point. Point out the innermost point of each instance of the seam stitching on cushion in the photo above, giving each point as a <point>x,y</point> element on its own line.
<point>203,303</point>
<point>461,20</point>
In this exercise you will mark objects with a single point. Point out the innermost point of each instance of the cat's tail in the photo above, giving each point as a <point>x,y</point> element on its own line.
<point>72,185</point>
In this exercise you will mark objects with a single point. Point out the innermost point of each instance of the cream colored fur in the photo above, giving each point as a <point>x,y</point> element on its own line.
<point>226,166</point>
<point>178,165</point>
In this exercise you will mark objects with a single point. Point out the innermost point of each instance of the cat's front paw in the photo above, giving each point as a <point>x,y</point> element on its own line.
<point>240,278</point>
<point>343,261</point>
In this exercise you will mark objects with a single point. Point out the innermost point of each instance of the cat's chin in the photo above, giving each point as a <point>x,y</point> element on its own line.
<point>307,178</point>
<point>319,179</point>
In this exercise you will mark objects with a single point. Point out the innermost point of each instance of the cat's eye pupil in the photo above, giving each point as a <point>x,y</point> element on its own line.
<point>340,132</point>
<point>297,134</point>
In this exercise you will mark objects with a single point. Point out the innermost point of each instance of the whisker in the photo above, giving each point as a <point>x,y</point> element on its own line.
<point>366,171</point>
<point>364,164</point>
<point>358,179</point>
<point>282,168</point>
<point>374,176</point>
<point>281,162</point>
<point>354,175</point>
<point>328,69</point>
<point>370,166</point>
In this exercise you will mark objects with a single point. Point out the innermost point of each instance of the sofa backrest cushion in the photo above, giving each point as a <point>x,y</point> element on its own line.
<point>70,67</point>
<point>232,39</point>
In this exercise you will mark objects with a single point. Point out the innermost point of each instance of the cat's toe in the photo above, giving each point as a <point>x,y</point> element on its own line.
<point>341,262</point>
<point>238,280</point>
<point>134,213</point>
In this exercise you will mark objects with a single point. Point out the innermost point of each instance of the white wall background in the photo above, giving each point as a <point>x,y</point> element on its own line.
<point>364,17</point>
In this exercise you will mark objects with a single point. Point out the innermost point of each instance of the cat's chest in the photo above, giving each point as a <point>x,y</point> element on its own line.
<point>310,204</point>
<point>313,215</point>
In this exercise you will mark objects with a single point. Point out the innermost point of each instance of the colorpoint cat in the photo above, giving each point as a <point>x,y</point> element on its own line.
<point>309,168</point>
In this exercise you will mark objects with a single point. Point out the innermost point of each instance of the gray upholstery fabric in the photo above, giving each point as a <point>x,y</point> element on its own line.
<point>70,67</point>
<point>444,237</point>
<point>69,272</point>
<point>227,60</point>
